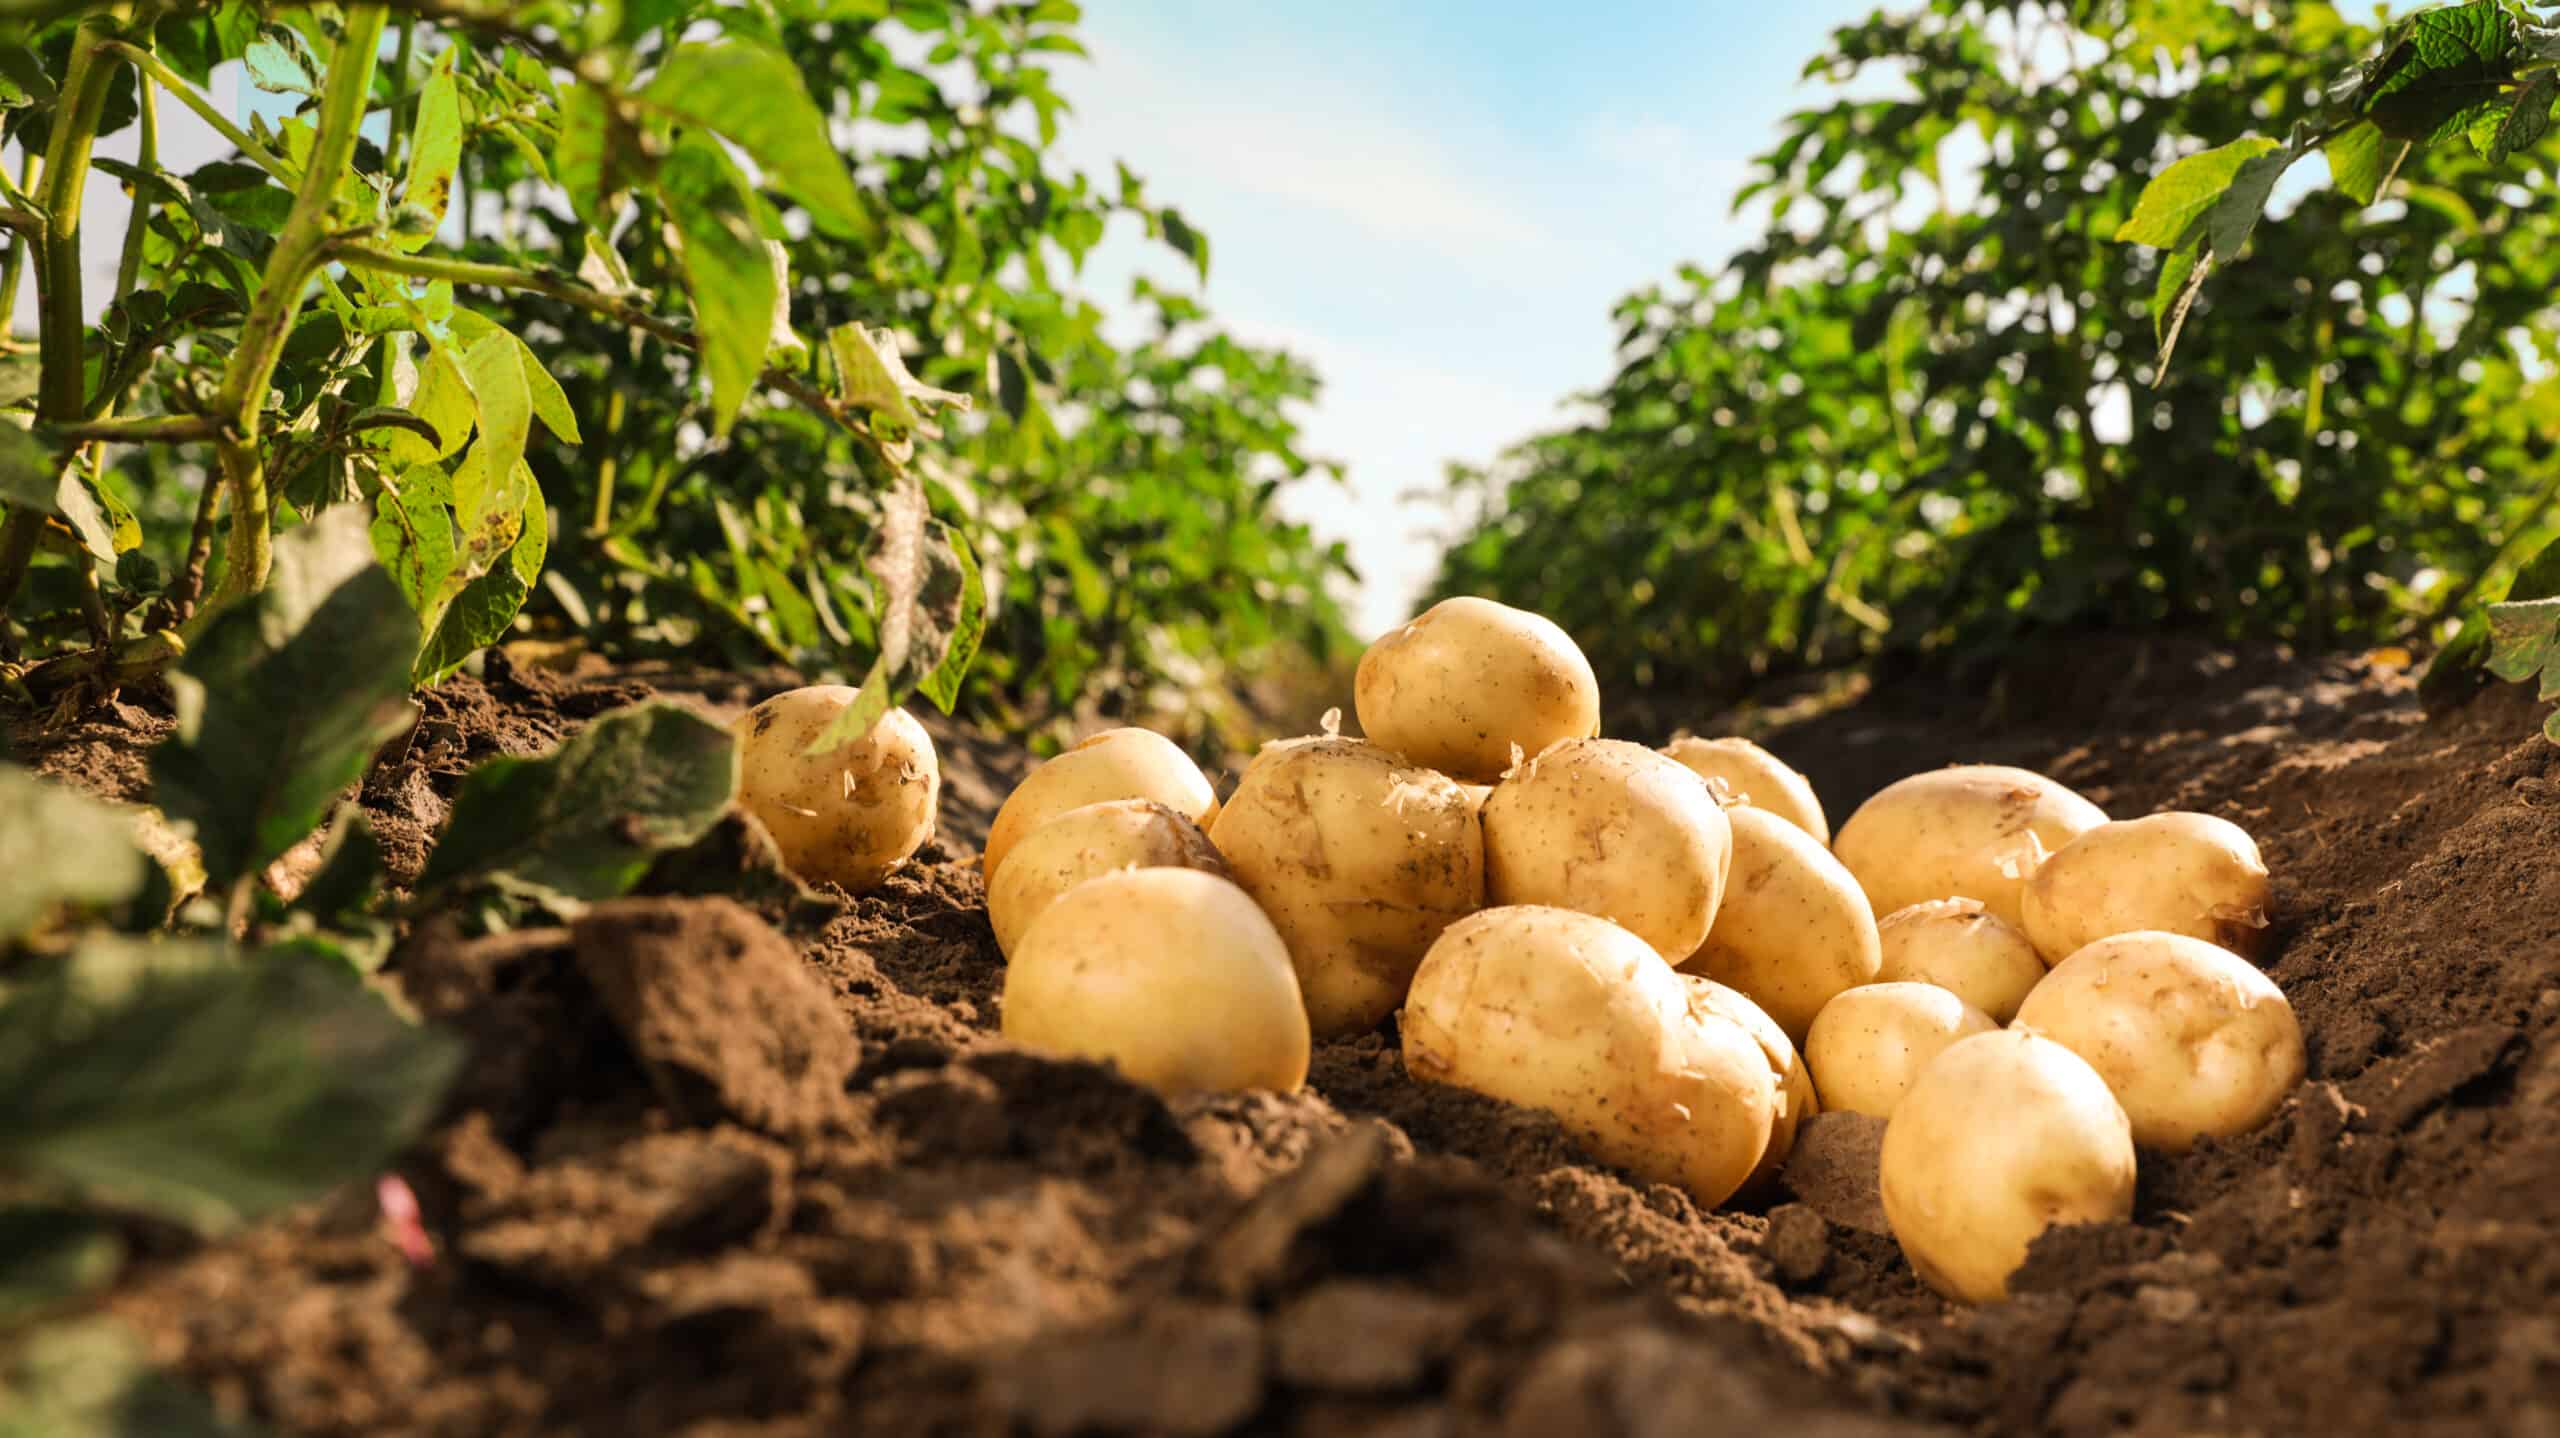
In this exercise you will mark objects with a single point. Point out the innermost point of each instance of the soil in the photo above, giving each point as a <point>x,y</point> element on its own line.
<point>763,1167</point>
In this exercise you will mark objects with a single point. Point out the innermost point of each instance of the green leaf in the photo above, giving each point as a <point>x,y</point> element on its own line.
<point>92,1379</point>
<point>754,96</point>
<point>2524,636</point>
<point>1193,244</point>
<point>494,366</point>
<point>480,611</point>
<point>2448,65</point>
<point>549,402</point>
<point>2356,162</point>
<point>60,847</point>
<point>279,60</point>
<point>2178,199</point>
<point>583,823</point>
<point>2228,223</point>
<point>30,477</point>
<point>350,876</point>
<point>728,270</point>
<point>176,1078</point>
<point>2528,119</point>
<point>50,1254</point>
<point>285,697</point>
<point>435,154</point>
<point>871,374</point>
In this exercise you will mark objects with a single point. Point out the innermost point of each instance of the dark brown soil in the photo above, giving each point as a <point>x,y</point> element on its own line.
<point>705,1178</point>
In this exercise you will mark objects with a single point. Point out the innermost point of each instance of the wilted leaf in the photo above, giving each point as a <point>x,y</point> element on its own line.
<point>2524,638</point>
<point>180,1078</point>
<point>584,822</point>
<point>286,695</point>
<point>754,96</point>
<point>871,374</point>
<point>931,611</point>
<point>730,274</point>
<point>60,847</point>
<point>280,61</point>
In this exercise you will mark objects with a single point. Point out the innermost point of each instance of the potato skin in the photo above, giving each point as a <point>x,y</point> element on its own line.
<point>1117,764</point>
<point>1757,778</point>
<point>1173,974</point>
<point>1568,1013</point>
<point>847,817</point>
<point>1086,843</point>
<point>1360,859</point>
<point>1793,929</point>
<point>2005,1135</point>
<point>2176,873</point>
<point>1797,1100</point>
<point>1613,829</point>
<point>1972,831</point>
<point>1963,948</point>
<point>1870,1044</point>
<point>1468,680</point>
<point>2194,1040</point>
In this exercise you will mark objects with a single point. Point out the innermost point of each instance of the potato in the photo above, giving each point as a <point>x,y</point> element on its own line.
<point>1796,1098</point>
<point>1974,831</point>
<point>1086,843</point>
<point>1959,946</point>
<point>846,817</point>
<point>2004,1136</point>
<point>1116,764</point>
<point>1172,974</point>
<point>1568,1013</point>
<point>2173,873</point>
<point>1870,1044</point>
<point>1757,778</point>
<point>1361,859</point>
<point>1462,685</point>
<point>2192,1038</point>
<point>1793,928</point>
<point>1612,829</point>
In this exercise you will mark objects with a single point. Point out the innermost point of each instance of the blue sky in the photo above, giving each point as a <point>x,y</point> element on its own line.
<point>1436,201</point>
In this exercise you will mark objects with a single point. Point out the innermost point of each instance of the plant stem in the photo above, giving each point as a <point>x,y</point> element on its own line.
<point>607,467</point>
<point>16,264</point>
<point>169,80</point>
<point>147,158</point>
<point>144,429</point>
<point>190,585</point>
<point>299,251</point>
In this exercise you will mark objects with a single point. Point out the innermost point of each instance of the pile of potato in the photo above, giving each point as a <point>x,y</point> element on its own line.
<point>1670,951</point>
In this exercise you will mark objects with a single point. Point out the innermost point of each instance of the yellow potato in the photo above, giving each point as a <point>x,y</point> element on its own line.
<point>1172,974</point>
<point>2004,1136</point>
<point>1870,1044</point>
<point>1974,831</point>
<point>1959,946</point>
<point>1570,1014</point>
<point>1117,764</point>
<point>2194,1041</point>
<point>1796,1098</point>
<point>1086,843</point>
<point>1466,682</point>
<point>2173,873</point>
<point>1612,829</point>
<point>1793,928</point>
<point>1757,778</point>
<point>1361,859</point>
<point>847,817</point>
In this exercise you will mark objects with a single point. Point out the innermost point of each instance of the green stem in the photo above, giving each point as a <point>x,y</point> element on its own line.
<point>607,467</point>
<point>299,251</point>
<point>190,585</point>
<point>20,248</point>
<point>147,158</point>
<point>145,429</point>
<point>194,99</point>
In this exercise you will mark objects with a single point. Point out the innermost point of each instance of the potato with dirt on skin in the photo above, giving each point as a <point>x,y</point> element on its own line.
<point>1963,948</point>
<point>2195,1041</point>
<point>1465,683</point>
<point>1360,859</point>
<point>2176,873</point>
<point>1793,928</point>
<point>848,816</point>
<point>2005,1135</point>
<point>1613,829</point>
<point>1971,831</point>
<point>1116,764</point>
<point>1569,1014</point>
<point>1869,1045</point>
<point>1174,975</point>
<point>1086,843</point>
<point>1756,777</point>
<point>1796,1099</point>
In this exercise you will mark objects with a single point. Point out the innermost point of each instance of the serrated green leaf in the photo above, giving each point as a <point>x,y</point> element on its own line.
<point>435,154</point>
<point>2178,200</point>
<point>730,274</point>
<point>176,1078</point>
<point>582,823</point>
<point>2527,119</point>
<point>2448,64</point>
<point>754,96</point>
<point>59,847</point>
<point>285,696</point>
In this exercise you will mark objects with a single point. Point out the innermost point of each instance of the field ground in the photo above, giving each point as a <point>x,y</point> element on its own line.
<point>702,1178</point>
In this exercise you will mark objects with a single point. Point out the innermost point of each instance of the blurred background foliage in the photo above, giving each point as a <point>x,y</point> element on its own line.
<point>1921,413</point>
